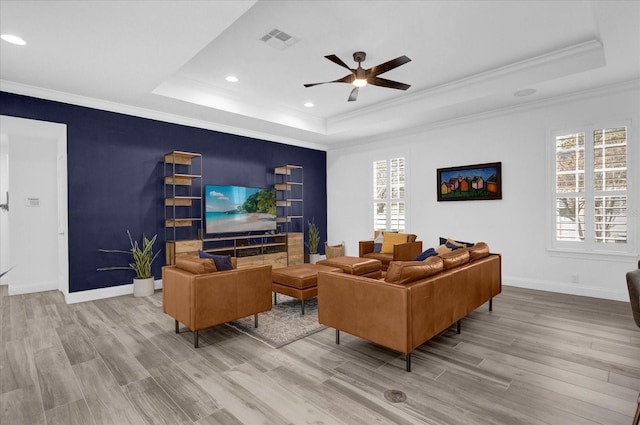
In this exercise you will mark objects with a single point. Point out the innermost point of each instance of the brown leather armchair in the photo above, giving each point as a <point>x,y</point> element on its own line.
<point>407,251</point>
<point>203,300</point>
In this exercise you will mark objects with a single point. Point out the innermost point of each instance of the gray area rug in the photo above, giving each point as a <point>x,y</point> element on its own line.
<point>283,324</point>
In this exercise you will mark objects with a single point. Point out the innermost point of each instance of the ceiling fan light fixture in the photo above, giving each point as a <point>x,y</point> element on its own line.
<point>13,39</point>
<point>360,82</point>
<point>232,79</point>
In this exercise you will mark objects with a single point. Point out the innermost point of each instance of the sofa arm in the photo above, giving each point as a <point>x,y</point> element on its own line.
<point>365,247</point>
<point>407,251</point>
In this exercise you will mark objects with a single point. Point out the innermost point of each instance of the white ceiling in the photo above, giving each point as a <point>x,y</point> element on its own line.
<point>168,59</point>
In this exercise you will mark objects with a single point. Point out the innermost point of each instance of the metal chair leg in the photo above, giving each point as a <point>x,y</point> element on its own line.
<point>408,361</point>
<point>177,327</point>
<point>458,326</point>
<point>255,320</point>
<point>337,336</point>
<point>195,339</point>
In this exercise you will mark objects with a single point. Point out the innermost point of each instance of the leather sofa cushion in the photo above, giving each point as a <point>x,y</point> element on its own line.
<point>479,250</point>
<point>196,265</point>
<point>391,239</point>
<point>402,272</point>
<point>455,258</point>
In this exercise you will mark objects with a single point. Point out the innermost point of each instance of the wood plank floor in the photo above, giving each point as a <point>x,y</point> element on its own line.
<point>538,358</point>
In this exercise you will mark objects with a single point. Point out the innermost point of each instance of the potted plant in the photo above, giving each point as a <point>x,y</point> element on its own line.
<point>314,240</point>
<point>143,282</point>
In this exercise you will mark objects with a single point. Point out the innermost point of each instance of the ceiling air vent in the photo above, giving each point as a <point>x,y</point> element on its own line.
<point>278,39</point>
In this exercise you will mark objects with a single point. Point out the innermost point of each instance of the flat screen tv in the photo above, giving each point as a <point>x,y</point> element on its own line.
<point>235,209</point>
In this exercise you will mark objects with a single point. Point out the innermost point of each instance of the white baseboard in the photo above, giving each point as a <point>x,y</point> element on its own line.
<point>32,287</point>
<point>97,294</point>
<point>573,289</point>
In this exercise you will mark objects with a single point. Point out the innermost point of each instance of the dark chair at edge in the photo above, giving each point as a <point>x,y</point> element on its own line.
<point>633,284</point>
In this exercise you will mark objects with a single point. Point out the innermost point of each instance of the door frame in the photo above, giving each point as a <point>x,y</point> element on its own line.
<point>57,132</point>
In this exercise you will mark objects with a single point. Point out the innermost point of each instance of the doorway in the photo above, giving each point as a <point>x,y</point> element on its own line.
<point>33,191</point>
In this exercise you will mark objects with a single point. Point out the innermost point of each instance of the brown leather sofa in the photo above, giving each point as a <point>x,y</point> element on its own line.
<point>200,299</point>
<point>406,251</point>
<point>402,316</point>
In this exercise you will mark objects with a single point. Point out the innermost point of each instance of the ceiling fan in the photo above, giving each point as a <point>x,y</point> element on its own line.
<point>360,77</point>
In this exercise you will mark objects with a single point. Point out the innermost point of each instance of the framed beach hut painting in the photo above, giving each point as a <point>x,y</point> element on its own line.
<point>470,182</point>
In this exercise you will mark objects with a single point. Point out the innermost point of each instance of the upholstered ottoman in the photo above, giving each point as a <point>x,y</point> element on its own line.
<point>367,267</point>
<point>298,281</point>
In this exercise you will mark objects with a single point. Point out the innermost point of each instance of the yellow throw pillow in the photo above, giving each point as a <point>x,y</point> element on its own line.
<point>391,239</point>
<point>443,249</point>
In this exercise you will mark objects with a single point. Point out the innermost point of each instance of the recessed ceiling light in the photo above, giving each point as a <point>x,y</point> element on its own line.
<point>525,92</point>
<point>13,39</point>
<point>309,105</point>
<point>232,79</point>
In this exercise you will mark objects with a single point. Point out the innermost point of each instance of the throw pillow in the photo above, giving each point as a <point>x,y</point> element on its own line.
<point>377,242</point>
<point>479,250</point>
<point>391,239</point>
<point>426,254</point>
<point>223,262</point>
<point>455,258</point>
<point>460,244</point>
<point>195,265</point>
<point>443,249</point>
<point>403,272</point>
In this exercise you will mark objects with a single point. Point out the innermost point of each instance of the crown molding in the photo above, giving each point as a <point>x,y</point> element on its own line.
<point>89,102</point>
<point>555,64</point>
<point>582,95</point>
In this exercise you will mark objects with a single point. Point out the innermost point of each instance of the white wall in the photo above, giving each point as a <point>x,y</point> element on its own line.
<point>515,226</point>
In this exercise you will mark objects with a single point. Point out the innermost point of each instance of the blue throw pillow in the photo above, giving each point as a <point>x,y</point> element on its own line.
<point>450,245</point>
<point>426,254</point>
<point>223,262</point>
<point>443,241</point>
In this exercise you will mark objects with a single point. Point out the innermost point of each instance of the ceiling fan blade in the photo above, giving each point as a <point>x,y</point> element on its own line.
<point>354,94</point>
<point>382,82</point>
<point>338,61</point>
<point>346,79</point>
<point>387,66</point>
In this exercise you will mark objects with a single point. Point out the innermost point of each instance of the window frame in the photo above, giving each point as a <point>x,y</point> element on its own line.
<point>590,246</point>
<point>388,200</point>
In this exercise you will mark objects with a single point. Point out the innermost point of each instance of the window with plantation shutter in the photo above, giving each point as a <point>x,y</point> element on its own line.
<point>590,189</point>
<point>388,194</point>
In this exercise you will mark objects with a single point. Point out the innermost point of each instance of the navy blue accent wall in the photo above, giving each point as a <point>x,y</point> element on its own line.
<point>115,169</point>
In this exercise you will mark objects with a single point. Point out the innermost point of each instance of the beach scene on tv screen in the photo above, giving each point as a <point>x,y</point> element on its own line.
<point>239,209</point>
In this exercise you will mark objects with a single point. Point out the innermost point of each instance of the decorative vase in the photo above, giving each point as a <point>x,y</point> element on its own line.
<point>143,287</point>
<point>313,258</point>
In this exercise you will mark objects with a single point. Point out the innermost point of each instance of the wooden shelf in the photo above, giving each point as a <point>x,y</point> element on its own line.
<point>179,157</point>
<point>181,179</point>
<point>181,201</point>
<point>180,222</point>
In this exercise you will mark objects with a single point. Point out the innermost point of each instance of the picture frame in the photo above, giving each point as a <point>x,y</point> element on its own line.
<point>477,182</point>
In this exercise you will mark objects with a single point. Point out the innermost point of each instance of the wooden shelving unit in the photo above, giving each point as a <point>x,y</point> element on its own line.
<point>182,203</point>
<point>289,185</point>
<point>265,248</point>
